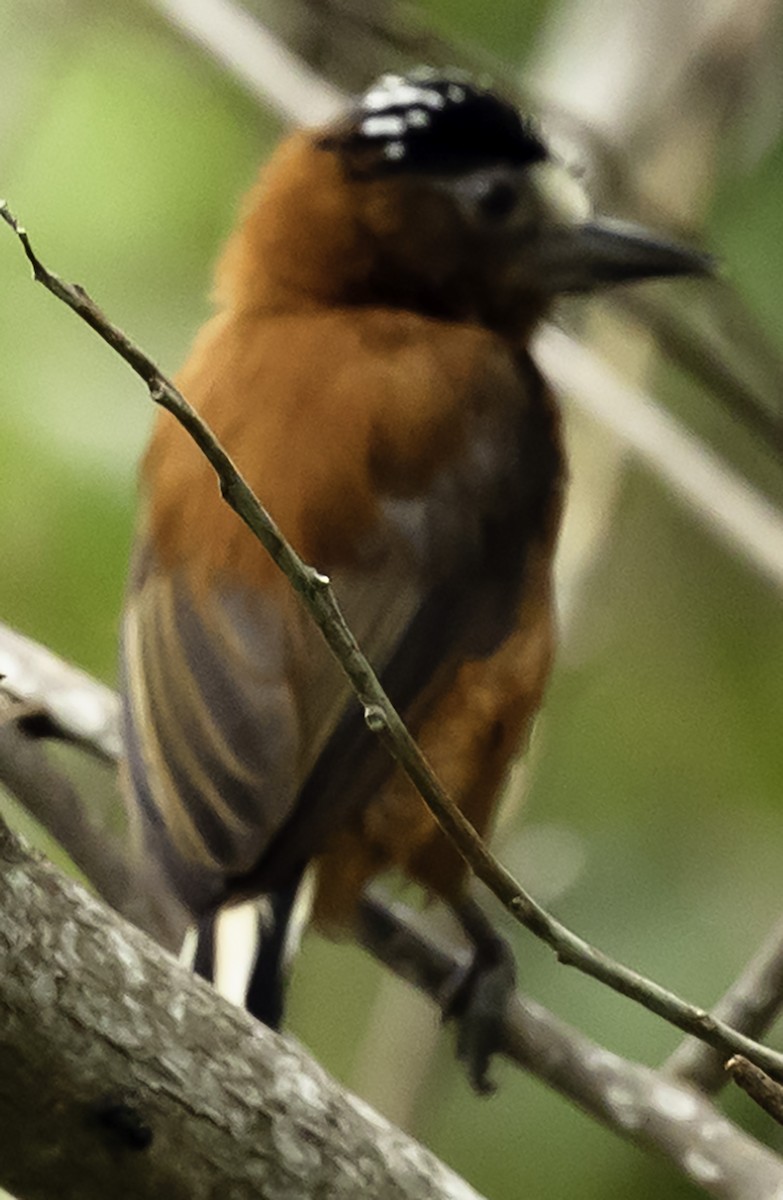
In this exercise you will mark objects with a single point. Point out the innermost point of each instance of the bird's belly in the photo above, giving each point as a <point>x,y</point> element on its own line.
<point>470,735</point>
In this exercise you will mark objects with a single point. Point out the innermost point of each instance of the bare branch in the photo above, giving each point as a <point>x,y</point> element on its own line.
<point>631,1099</point>
<point>79,709</point>
<point>49,796</point>
<point>751,1004</point>
<point>261,62</point>
<point>730,507</point>
<point>636,1102</point>
<point>123,1075</point>
<point>767,1094</point>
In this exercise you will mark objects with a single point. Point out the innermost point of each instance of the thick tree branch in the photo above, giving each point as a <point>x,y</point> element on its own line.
<point>49,796</point>
<point>123,1075</point>
<point>64,694</point>
<point>638,1103</point>
<point>77,707</point>
<point>315,591</point>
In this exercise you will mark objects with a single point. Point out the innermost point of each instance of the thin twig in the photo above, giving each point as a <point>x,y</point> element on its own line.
<point>381,717</point>
<point>633,1100</point>
<point>750,1005</point>
<point>757,1084</point>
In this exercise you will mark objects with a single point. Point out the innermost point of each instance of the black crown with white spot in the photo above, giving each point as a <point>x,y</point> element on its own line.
<point>440,124</point>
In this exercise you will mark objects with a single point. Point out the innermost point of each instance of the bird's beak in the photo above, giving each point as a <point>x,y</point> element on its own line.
<point>583,256</point>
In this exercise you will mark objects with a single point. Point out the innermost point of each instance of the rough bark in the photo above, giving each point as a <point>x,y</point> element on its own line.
<point>122,1075</point>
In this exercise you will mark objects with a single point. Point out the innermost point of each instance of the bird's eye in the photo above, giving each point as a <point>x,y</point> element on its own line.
<point>498,201</point>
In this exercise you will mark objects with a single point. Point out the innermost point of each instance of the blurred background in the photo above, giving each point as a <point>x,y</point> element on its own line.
<point>649,810</point>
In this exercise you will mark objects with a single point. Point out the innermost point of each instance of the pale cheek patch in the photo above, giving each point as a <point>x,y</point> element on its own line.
<point>563,196</point>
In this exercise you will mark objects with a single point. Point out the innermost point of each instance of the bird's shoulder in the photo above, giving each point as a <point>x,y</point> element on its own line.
<point>328,414</point>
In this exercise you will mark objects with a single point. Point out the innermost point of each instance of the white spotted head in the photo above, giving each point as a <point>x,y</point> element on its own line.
<point>436,124</point>
<point>459,209</point>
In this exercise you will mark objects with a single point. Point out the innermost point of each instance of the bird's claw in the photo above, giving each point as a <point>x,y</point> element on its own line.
<point>476,997</point>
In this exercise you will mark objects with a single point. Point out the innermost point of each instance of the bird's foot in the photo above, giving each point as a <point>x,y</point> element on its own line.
<point>476,998</point>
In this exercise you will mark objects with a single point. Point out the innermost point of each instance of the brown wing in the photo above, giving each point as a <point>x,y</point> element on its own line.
<point>406,485</point>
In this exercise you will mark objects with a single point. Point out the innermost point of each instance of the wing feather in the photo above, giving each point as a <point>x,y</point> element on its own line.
<point>245,745</point>
<point>212,737</point>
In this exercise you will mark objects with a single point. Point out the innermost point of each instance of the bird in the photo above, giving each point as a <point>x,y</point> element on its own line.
<point>368,367</point>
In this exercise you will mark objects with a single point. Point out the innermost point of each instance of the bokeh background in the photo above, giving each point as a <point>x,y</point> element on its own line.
<point>652,796</point>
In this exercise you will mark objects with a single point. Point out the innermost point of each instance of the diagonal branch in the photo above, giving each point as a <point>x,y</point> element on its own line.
<point>77,707</point>
<point>751,1004</point>
<point>640,1104</point>
<point>252,54</point>
<point>315,591</point>
<point>63,694</point>
<point>766,1093</point>
<point>50,797</point>
<point>738,514</point>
